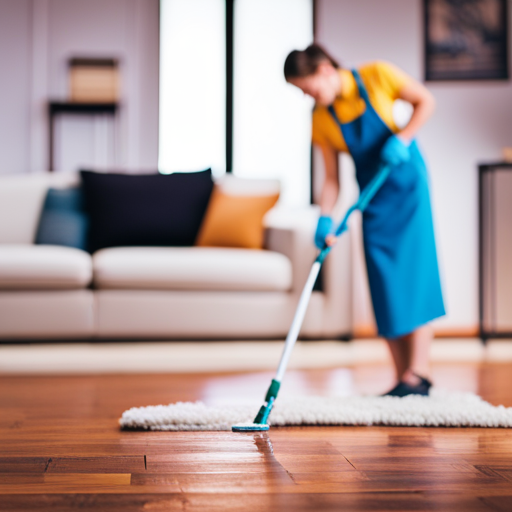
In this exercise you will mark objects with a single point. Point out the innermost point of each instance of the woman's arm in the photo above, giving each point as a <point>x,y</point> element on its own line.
<point>423,103</point>
<point>331,187</point>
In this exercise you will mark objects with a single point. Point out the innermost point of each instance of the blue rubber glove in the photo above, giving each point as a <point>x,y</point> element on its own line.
<point>395,151</point>
<point>323,228</point>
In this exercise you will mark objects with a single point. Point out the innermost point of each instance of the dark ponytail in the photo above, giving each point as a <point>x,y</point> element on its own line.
<point>301,63</point>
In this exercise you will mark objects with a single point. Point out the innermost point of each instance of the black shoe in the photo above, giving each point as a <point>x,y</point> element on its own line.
<point>404,389</point>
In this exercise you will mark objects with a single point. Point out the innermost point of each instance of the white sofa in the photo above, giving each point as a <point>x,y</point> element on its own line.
<point>54,292</point>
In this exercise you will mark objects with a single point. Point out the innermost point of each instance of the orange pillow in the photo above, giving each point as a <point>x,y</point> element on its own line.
<point>234,220</point>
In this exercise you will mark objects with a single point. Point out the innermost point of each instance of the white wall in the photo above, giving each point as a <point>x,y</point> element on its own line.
<point>472,123</point>
<point>37,37</point>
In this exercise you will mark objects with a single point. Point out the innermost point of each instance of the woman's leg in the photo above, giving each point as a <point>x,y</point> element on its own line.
<point>411,354</point>
<point>419,359</point>
<point>399,353</point>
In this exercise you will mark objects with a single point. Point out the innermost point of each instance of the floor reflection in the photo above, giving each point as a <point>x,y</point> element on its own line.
<point>248,388</point>
<point>264,444</point>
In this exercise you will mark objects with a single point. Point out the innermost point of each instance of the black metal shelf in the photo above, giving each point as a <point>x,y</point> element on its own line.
<point>56,108</point>
<point>487,234</point>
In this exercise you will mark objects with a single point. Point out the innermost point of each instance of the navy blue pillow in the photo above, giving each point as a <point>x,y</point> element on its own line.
<point>145,209</point>
<point>63,219</point>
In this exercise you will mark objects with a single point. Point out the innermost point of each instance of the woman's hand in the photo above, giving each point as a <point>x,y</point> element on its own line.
<point>395,151</point>
<point>331,240</point>
<point>323,234</point>
<point>323,230</point>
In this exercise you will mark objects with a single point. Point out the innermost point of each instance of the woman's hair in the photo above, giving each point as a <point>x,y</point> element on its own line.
<point>301,63</point>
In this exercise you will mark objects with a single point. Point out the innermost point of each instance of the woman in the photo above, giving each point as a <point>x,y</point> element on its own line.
<point>354,113</point>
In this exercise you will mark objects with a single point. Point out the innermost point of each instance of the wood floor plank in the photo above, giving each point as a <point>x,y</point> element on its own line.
<point>382,502</point>
<point>108,464</point>
<point>496,471</point>
<point>322,463</point>
<point>7,479</point>
<point>87,479</point>
<point>24,464</point>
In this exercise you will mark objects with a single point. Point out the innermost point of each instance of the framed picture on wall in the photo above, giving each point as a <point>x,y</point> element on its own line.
<point>466,39</point>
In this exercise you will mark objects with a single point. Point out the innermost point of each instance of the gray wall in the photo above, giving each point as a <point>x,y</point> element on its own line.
<point>472,123</point>
<point>15,90</point>
<point>36,39</point>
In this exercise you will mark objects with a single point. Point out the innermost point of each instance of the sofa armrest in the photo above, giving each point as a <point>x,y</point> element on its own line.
<point>291,232</point>
<point>338,289</point>
<point>21,201</point>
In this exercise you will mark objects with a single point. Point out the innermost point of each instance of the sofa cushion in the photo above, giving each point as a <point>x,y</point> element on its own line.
<point>145,209</point>
<point>235,220</point>
<point>191,268</point>
<point>48,267</point>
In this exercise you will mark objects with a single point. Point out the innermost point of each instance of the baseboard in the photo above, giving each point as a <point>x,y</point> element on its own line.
<point>364,331</point>
<point>457,332</point>
<point>370,331</point>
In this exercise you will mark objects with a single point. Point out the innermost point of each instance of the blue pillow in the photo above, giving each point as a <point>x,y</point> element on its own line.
<point>63,220</point>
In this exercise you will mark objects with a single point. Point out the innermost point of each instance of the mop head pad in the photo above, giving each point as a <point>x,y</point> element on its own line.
<point>440,409</point>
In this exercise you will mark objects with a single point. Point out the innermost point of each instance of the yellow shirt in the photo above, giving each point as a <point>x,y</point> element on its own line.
<point>383,82</point>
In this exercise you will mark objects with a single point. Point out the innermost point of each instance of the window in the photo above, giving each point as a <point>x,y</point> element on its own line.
<point>272,119</point>
<point>271,131</point>
<point>192,86</point>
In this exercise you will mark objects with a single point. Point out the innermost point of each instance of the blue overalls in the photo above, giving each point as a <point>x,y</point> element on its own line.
<point>398,231</point>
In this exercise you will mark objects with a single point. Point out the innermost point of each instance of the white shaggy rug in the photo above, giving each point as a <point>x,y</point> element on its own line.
<point>440,409</point>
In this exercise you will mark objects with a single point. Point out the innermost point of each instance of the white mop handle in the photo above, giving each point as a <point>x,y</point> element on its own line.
<point>293,334</point>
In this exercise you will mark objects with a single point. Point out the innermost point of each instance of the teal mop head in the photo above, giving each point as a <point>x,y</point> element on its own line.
<point>260,422</point>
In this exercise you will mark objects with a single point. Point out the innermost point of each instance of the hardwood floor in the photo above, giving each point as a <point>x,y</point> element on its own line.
<point>61,449</point>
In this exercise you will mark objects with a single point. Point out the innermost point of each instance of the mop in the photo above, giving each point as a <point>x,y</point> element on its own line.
<point>440,408</point>
<point>260,422</point>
